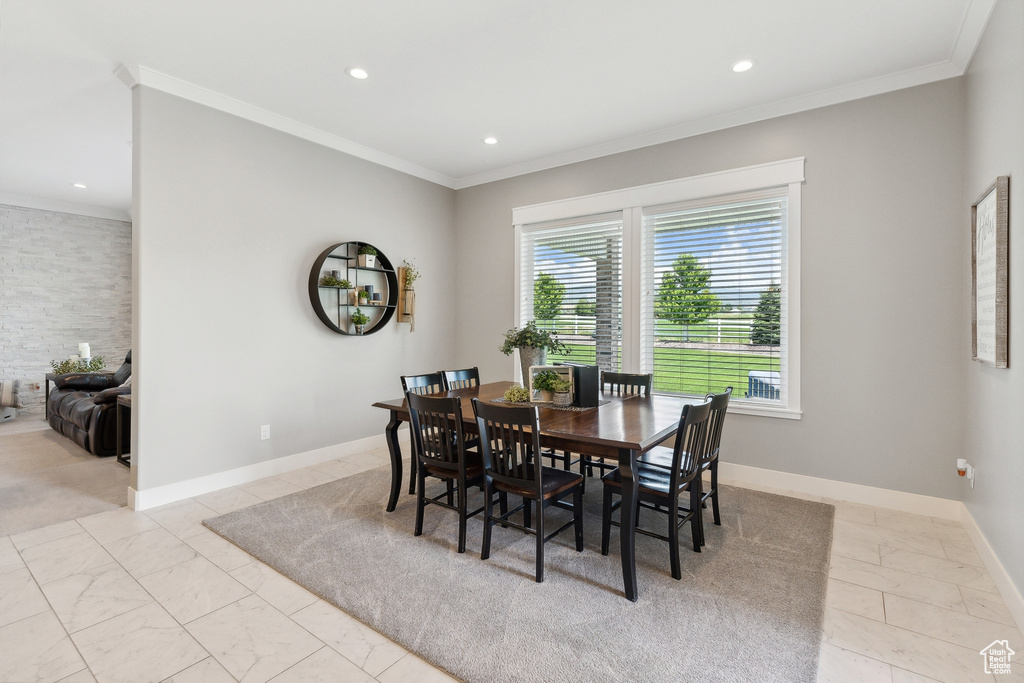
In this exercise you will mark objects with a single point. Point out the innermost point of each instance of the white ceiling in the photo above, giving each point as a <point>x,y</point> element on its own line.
<point>555,81</point>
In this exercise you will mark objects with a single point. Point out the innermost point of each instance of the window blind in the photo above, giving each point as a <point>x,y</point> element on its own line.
<point>713,307</point>
<point>571,283</point>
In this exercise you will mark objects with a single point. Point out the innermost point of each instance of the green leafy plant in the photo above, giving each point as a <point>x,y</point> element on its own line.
<point>331,281</point>
<point>517,394</point>
<point>560,385</point>
<point>412,274</point>
<point>367,250</point>
<point>363,296</point>
<point>63,367</point>
<point>546,380</point>
<point>360,318</point>
<point>531,336</point>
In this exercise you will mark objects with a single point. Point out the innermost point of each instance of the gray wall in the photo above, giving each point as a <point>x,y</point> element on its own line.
<point>64,279</point>
<point>230,217</point>
<point>882,268</point>
<point>994,436</point>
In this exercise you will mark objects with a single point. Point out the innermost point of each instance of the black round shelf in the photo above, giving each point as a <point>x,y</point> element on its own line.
<point>331,304</point>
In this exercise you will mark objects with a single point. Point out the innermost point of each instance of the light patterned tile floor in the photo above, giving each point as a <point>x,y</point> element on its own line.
<point>154,596</point>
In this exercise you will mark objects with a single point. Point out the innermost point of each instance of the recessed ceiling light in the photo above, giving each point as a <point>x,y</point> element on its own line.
<point>490,140</point>
<point>80,186</point>
<point>743,65</point>
<point>356,72</point>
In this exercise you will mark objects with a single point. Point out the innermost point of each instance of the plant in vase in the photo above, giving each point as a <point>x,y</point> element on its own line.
<point>63,367</point>
<point>363,297</point>
<point>533,344</point>
<point>367,256</point>
<point>562,389</point>
<point>545,382</point>
<point>359,319</point>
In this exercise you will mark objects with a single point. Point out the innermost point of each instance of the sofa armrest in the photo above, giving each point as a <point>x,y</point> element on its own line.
<point>110,395</point>
<point>83,381</point>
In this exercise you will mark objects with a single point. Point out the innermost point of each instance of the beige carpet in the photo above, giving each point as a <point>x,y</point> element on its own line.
<point>749,608</point>
<point>46,478</point>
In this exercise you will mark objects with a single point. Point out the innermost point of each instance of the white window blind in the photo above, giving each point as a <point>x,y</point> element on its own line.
<point>714,311</point>
<point>571,283</point>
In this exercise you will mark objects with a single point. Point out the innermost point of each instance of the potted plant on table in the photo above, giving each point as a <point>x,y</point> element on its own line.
<point>359,319</point>
<point>533,344</point>
<point>367,256</point>
<point>562,389</point>
<point>545,382</point>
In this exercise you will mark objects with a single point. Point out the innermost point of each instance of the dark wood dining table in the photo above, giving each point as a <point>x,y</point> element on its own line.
<point>620,428</point>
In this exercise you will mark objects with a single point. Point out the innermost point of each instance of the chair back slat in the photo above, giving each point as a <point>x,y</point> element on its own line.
<point>437,430</point>
<point>626,384</point>
<point>421,385</point>
<point>691,440</point>
<point>719,407</point>
<point>461,379</point>
<point>509,438</point>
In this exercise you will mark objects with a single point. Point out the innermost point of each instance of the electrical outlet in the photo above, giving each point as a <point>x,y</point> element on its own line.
<point>264,432</point>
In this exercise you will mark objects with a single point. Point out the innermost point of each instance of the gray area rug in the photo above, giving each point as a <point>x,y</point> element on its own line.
<point>748,608</point>
<point>46,478</point>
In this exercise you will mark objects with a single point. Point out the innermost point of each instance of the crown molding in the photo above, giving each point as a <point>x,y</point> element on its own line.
<point>43,204</point>
<point>135,75</point>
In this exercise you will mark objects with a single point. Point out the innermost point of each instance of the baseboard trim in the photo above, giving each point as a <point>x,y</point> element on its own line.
<point>840,490</point>
<point>172,493</point>
<point>803,486</point>
<point>1011,594</point>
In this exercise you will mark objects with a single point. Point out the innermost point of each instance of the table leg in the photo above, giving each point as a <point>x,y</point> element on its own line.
<point>395,450</point>
<point>627,521</point>
<point>47,411</point>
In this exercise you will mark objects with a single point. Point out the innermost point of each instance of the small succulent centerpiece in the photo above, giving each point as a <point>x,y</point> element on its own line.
<point>545,382</point>
<point>367,256</point>
<point>562,389</point>
<point>533,344</point>
<point>63,367</point>
<point>517,394</point>
<point>359,319</point>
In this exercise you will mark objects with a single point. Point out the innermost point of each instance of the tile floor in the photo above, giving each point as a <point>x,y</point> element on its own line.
<point>155,596</point>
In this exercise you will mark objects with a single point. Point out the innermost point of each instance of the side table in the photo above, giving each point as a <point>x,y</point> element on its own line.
<point>123,401</point>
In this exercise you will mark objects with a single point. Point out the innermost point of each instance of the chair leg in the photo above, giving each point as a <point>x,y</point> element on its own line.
<point>462,517</point>
<point>577,516</point>
<point>412,463</point>
<point>697,493</point>
<point>714,492</point>
<point>450,485</point>
<point>420,494</point>
<point>696,518</point>
<point>606,520</point>
<point>527,504</point>
<point>503,506</point>
<point>485,550</point>
<point>673,541</point>
<point>540,542</point>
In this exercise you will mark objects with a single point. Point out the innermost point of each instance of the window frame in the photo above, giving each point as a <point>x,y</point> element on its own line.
<point>787,175</point>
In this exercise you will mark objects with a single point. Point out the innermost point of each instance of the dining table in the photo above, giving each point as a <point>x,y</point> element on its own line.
<point>620,428</point>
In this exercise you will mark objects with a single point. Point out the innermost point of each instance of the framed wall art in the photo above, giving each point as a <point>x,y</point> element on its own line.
<point>989,227</point>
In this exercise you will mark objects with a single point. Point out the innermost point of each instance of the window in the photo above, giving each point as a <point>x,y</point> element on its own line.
<point>571,283</point>
<point>695,280</point>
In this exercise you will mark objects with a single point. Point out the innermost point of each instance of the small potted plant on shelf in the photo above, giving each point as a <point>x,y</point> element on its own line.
<point>562,389</point>
<point>533,344</point>
<point>363,297</point>
<point>359,319</point>
<point>367,256</point>
<point>545,382</point>
<point>331,281</point>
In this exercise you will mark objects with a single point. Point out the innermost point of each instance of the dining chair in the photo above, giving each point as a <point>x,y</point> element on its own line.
<point>461,379</point>
<point>616,384</point>
<point>430,383</point>
<point>509,440</point>
<point>438,445</point>
<point>662,456</point>
<point>661,489</point>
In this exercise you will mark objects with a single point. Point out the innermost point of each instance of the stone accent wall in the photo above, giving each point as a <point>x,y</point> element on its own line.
<point>64,279</point>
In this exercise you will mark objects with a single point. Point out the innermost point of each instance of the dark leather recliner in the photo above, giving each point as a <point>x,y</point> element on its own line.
<point>82,408</point>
